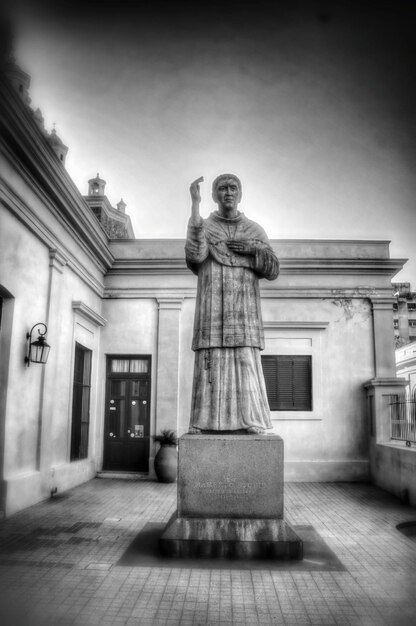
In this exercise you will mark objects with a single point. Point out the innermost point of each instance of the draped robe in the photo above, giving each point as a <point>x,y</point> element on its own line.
<point>228,387</point>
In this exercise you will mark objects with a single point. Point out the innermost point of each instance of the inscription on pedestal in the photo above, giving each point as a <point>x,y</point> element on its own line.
<point>224,476</point>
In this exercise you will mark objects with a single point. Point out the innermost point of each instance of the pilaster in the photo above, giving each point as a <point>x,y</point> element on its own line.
<point>167,381</point>
<point>384,348</point>
<point>379,396</point>
<point>57,263</point>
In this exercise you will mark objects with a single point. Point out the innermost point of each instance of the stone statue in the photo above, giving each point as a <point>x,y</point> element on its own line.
<point>229,253</point>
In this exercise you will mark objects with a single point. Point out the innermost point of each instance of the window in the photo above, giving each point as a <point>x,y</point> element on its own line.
<point>288,382</point>
<point>81,403</point>
<point>129,366</point>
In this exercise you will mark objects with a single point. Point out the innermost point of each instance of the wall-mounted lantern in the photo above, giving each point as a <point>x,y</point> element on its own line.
<point>37,350</point>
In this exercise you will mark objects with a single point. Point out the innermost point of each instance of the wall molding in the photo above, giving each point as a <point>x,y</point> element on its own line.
<point>294,325</point>
<point>87,313</point>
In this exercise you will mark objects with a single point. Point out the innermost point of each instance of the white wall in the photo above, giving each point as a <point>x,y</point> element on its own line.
<point>44,276</point>
<point>131,329</point>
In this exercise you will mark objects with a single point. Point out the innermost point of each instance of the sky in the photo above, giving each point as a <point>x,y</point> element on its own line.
<point>310,102</point>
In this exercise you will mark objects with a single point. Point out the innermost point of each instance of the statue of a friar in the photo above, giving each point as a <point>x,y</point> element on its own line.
<point>229,253</point>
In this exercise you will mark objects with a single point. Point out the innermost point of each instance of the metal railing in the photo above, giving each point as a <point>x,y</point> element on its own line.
<point>403,420</point>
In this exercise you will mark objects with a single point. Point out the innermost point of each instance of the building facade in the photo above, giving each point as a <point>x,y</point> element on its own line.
<point>404,314</point>
<point>406,367</point>
<point>119,317</point>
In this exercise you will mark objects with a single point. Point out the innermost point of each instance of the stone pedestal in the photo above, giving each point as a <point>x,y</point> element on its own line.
<point>230,500</point>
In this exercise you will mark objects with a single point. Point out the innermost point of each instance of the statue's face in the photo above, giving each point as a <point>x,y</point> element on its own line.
<point>227,194</point>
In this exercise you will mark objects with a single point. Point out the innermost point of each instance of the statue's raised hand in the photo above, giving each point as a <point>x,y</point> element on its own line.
<point>196,199</point>
<point>194,189</point>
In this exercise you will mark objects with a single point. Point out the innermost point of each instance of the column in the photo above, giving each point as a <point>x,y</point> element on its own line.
<point>380,392</point>
<point>385,385</point>
<point>57,262</point>
<point>384,348</point>
<point>167,382</point>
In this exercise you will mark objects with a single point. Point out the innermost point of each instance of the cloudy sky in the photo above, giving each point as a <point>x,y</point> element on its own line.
<point>310,102</point>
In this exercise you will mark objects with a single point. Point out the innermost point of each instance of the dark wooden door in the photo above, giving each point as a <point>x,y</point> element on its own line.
<point>126,437</point>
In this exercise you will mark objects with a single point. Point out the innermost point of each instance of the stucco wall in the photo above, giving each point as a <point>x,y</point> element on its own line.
<point>27,281</point>
<point>43,283</point>
<point>334,432</point>
<point>393,467</point>
<point>131,329</point>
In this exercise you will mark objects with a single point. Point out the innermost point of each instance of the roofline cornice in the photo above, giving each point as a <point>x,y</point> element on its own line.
<point>40,230</point>
<point>288,266</point>
<point>267,292</point>
<point>150,241</point>
<point>27,149</point>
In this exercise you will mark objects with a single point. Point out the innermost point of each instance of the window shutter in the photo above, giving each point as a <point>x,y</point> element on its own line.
<point>302,388</point>
<point>269,364</point>
<point>284,383</point>
<point>288,382</point>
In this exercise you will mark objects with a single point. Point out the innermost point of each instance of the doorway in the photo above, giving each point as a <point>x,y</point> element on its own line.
<point>6,325</point>
<point>127,414</point>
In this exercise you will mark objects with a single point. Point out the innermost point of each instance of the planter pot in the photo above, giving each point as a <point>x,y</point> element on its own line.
<point>166,464</point>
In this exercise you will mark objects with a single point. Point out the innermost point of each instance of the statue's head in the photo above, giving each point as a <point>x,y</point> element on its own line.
<point>226,189</point>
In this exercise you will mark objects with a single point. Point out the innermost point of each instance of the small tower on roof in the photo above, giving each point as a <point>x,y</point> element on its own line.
<point>18,78</point>
<point>114,222</point>
<point>121,206</point>
<point>96,186</point>
<point>58,146</point>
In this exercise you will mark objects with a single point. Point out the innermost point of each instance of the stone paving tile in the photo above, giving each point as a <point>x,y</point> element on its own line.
<point>58,564</point>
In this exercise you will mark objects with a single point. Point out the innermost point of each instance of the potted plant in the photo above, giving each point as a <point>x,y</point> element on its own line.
<point>166,459</point>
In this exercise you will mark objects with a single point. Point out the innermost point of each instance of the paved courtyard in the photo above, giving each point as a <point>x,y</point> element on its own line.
<point>60,563</point>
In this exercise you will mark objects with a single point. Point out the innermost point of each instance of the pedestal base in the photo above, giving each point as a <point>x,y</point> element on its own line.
<point>230,538</point>
<point>230,500</point>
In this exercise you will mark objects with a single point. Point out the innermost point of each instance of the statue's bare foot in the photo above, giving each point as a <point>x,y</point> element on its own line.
<point>193,430</point>
<point>256,430</point>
